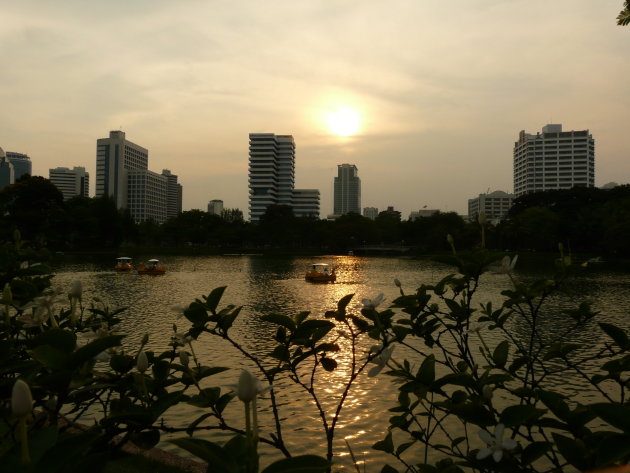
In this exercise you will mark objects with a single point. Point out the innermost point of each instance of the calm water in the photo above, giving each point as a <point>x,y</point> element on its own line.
<point>276,285</point>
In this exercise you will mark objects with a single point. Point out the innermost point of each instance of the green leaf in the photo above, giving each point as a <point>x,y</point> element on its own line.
<point>196,314</point>
<point>426,373</point>
<point>572,451</point>
<point>213,299</point>
<point>388,469</point>
<point>612,449</point>
<point>122,363</point>
<point>500,354</point>
<point>329,364</point>
<point>282,320</point>
<point>386,445</point>
<point>618,335</point>
<point>146,439</point>
<point>281,353</point>
<point>51,357</point>
<point>520,415</point>
<point>92,349</point>
<point>301,317</point>
<point>63,340</point>
<point>616,415</point>
<point>209,452</point>
<point>555,403</point>
<point>343,303</point>
<point>299,464</point>
<point>227,320</point>
<point>534,451</point>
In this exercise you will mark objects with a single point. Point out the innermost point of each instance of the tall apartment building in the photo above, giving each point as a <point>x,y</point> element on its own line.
<point>553,159</point>
<point>122,173</point>
<point>7,176</point>
<point>173,194</point>
<point>347,190</point>
<point>272,176</point>
<point>21,164</point>
<point>215,207</point>
<point>495,205</point>
<point>71,182</point>
<point>370,212</point>
<point>305,202</point>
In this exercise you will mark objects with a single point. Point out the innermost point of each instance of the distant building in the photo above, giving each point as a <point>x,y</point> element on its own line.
<point>370,212</point>
<point>21,164</point>
<point>347,190</point>
<point>391,213</point>
<point>416,214</point>
<point>7,176</point>
<point>495,205</point>
<point>173,194</point>
<point>215,207</point>
<point>553,159</point>
<point>71,182</point>
<point>271,172</point>
<point>122,173</point>
<point>306,202</point>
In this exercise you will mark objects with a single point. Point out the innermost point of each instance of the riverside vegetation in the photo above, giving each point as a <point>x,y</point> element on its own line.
<point>462,405</point>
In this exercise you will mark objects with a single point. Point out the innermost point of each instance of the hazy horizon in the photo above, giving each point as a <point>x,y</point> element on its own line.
<point>441,90</point>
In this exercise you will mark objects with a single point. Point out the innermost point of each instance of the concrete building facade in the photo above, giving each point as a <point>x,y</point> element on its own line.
<point>553,159</point>
<point>7,175</point>
<point>173,194</point>
<point>21,164</point>
<point>215,207</point>
<point>71,182</point>
<point>495,205</point>
<point>305,202</point>
<point>370,212</point>
<point>347,190</point>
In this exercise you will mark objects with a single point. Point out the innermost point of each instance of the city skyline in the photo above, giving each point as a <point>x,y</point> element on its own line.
<point>440,90</point>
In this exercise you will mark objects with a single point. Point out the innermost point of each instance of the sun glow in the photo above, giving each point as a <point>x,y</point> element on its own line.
<point>343,121</point>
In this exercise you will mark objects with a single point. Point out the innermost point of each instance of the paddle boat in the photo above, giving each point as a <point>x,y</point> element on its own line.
<point>320,272</point>
<point>153,267</point>
<point>123,263</point>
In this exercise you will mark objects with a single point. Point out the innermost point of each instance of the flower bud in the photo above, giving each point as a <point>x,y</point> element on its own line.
<point>184,359</point>
<point>142,362</point>
<point>481,218</point>
<point>145,339</point>
<point>397,282</point>
<point>21,399</point>
<point>450,239</point>
<point>76,291</point>
<point>7,295</point>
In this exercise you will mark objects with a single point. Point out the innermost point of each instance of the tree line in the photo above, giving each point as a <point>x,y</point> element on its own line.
<point>589,220</point>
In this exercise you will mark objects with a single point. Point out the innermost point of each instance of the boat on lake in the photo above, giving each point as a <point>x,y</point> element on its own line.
<point>123,263</point>
<point>320,272</point>
<point>153,267</point>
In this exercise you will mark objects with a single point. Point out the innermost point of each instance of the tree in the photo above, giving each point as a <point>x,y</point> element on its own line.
<point>623,18</point>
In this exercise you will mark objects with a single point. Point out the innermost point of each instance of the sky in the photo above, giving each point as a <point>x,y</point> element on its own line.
<point>441,89</point>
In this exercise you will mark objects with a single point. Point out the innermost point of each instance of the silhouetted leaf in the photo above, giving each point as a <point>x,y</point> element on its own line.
<point>618,335</point>
<point>534,451</point>
<point>282,320</point>
<point>616,415</point>
<point>500,354</point>
<point>299,464</point>
<point>520,415</point>
<point>213,299</point>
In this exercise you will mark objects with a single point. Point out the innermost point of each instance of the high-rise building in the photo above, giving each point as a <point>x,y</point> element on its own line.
<point>7,176</point>
<point>21,164</point>
<point>347,190</point>
<point>71,182</point>
<point>495,206</point>
<point>215,207</point>
<point>306,202</point>
<point>370,212</point>
<point>173,194</point>
<point>122,173</point>
<point>553,159</point>
<point>271,172</point>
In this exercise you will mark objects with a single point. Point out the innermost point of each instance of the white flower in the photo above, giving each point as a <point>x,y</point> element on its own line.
<point>21,399</point>
<point>249,387</point>
<point>142,363</point>
<point>477,327</point>
<point>380,360</point>
<point>181,339</point>
<point>7,295</point>
<point>179,310</point>
<point>507,264</point>
<point>76,291</point>
<point>496,444</point>
<point>373,303</point>
<point>486,392</point>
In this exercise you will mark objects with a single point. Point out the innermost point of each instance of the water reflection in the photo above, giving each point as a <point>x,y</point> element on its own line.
<point>265,285</point>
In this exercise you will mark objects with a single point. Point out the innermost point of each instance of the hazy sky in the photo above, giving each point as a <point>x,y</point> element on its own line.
<point>442,88</point>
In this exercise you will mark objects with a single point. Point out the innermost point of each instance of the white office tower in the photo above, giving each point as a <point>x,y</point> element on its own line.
<point>553,159</point>
<point>147,195</point>
<point>21,164</point>
<point>347,190</point>
<point>306,202</point>
<point>71,182</point>
<point>173,194</point>
<point>494,205</point>
<point>215,207</point>
<point>271,172</point>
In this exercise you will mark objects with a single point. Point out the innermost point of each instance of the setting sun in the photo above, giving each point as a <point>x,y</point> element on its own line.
<point>343,121</point>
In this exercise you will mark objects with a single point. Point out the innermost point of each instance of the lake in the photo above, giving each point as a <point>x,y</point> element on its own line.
<point>263,285</point>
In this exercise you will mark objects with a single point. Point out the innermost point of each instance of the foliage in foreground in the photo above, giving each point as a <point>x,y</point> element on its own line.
<point>464,404</point>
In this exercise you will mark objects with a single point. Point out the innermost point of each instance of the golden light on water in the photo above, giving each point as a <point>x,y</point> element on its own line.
<point>343,121</point>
